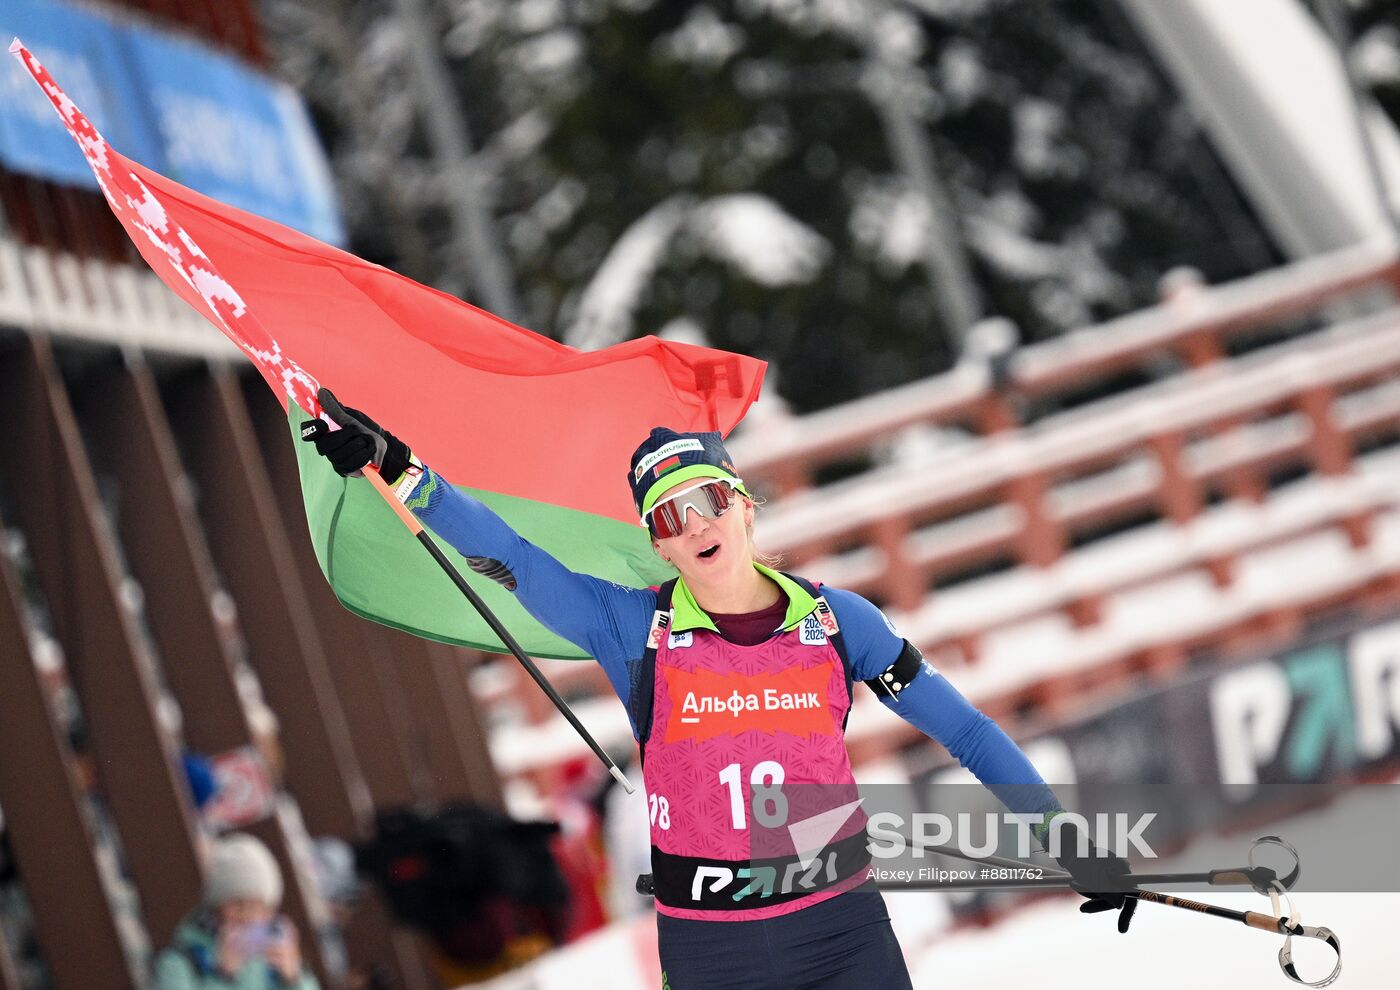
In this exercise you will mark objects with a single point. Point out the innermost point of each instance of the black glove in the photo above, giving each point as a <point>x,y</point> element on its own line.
<point>1103,879</point>
<point>359,441</point>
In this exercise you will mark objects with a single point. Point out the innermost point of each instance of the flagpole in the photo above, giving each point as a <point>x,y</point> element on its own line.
<point>418,530</point>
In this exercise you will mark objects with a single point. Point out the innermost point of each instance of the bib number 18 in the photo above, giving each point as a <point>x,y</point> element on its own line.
<point>770,805</point>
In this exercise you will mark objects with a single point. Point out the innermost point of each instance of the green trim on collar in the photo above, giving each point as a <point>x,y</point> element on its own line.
<point>686,614</point>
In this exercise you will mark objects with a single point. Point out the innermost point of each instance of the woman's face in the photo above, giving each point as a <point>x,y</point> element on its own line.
<point>243,911</point>
<point>710,551</point>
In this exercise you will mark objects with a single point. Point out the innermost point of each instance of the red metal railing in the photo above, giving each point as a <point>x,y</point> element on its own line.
<point>1157,452</point>
<point>1036,503</point>
<point>1197,329</point>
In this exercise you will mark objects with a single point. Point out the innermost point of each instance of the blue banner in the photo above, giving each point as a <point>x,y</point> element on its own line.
<point>233,134</point>
<point>174,105</point>
<point>85,52</point>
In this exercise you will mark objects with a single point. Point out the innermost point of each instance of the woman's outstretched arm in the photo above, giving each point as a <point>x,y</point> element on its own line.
<point>936,708</point>
<point>604,619</point>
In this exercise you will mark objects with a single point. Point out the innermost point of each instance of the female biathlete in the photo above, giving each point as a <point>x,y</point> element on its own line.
<point>732,628</point>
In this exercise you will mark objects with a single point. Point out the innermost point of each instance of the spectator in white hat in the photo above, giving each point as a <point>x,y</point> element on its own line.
<point>235,939</point>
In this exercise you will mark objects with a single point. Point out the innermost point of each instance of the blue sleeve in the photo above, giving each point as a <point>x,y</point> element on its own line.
<point>932,705</point>
<point>606,620</point>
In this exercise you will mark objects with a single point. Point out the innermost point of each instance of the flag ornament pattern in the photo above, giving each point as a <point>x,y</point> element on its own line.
<point>139,210</point>
<point>533,428</point>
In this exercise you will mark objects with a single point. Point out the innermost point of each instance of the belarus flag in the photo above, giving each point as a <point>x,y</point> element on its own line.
<point>539,431</point>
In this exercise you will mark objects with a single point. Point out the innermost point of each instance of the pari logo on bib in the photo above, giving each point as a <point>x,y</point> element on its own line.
<point>705,704</point>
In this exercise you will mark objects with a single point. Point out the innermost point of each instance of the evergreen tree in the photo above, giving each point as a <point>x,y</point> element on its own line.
<point>735,166</point>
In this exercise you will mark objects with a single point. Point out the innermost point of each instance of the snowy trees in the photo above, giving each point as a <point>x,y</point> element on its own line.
<point>829,184</point>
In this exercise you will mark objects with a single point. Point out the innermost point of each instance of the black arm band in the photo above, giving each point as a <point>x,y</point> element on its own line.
<point>898,675</point>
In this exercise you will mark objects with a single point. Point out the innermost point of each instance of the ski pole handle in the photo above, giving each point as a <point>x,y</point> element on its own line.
<point>1285,954</point>
<point>406,517</point>
<point>1264,923</point>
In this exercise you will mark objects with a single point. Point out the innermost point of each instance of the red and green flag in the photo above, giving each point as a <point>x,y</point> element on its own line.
<point>539,431</point>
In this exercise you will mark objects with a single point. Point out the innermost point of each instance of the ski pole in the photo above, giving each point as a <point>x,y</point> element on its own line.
<point>1005,862</point>
<point>1263,879</point>
<point>421,534</point>
<point>1283,925</point>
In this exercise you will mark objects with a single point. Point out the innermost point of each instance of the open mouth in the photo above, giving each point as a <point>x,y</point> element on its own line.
<point>709,552</point>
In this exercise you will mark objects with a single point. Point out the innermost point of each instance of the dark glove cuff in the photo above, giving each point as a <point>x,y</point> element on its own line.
<point>396,458</point>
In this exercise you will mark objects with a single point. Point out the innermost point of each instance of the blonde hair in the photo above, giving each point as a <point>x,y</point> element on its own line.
<point>772,561</point>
